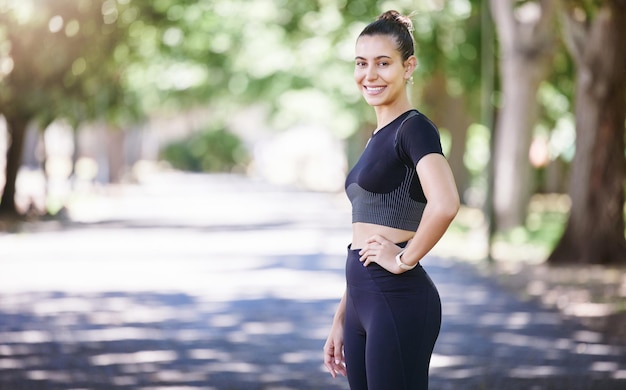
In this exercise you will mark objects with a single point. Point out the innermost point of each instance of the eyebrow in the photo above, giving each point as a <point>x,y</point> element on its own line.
<point>377,58</point>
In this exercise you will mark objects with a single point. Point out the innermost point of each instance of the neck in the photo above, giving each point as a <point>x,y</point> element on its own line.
<point>386,114</point>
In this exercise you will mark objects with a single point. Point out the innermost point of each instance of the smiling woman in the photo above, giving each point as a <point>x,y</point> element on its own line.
<point>381,74</point>
<point>403,199</point>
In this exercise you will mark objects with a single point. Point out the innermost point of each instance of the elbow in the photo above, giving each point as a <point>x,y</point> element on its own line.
<point>449,209</point>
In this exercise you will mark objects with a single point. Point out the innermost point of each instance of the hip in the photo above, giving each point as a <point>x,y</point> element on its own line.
<point>375,278</point>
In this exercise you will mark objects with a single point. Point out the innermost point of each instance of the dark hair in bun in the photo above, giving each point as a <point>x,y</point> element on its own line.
<point>398,26</point>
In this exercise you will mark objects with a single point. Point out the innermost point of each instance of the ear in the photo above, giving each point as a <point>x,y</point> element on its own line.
<point>409,66</point>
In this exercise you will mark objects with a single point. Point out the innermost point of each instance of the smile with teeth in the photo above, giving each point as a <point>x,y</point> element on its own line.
<point>373,90</point>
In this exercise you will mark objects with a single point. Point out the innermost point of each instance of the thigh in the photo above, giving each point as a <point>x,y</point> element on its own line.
<point>400,340</point>
<point>354,346</point>
<point>383,356</point>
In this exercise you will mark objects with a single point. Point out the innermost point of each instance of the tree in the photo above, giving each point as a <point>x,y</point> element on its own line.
<point>34,67</point>
<point>294,58</point>
<point>57,54</point>
<point>526,34</point>
<point>448,78</point>
<point>595,33</point>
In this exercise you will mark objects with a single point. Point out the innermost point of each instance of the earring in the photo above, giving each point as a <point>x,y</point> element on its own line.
<point>410,80</point>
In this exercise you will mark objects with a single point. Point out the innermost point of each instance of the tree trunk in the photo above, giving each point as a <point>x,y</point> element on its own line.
<point>594,232</point>
<point>16,126</point>
<point>512,190</point>
<point>450,113</point>
<point>116,153</point>
<point>527,47</point>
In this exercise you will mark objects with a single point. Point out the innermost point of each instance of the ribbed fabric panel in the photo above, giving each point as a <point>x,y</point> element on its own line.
<point>394,209</point>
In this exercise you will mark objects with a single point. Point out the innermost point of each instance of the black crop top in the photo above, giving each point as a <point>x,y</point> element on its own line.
<point>383,186</point>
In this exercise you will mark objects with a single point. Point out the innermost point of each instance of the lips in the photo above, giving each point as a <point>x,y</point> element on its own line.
<point>373,90</point>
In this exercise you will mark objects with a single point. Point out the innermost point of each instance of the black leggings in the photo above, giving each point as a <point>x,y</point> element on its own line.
<point>391,325</point>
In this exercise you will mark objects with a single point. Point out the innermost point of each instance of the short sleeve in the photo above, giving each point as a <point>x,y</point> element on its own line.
<point>416,138</point>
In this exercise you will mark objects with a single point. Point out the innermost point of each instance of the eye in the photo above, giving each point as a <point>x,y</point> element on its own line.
<point>360,64</point>
<point>382,64</point>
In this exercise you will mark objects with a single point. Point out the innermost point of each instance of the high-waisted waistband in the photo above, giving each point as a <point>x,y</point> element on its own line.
<point>376,278</point>
<point>400,244</point>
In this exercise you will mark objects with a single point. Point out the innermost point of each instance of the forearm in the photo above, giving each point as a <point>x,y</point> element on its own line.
<point>333,348</point>
<point>341,311</point>
<point>435,221</point>
<point>441,207</point>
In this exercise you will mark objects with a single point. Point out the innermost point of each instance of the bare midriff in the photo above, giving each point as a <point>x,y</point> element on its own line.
<point>361,232</point>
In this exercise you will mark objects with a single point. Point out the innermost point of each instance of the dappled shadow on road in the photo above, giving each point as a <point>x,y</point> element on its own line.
<point>235,288</point>
<point>271,337</point>
<point>492,340</point>
<point>160,340</point>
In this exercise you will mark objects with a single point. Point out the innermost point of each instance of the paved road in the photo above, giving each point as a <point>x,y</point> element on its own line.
<point>219,282</point>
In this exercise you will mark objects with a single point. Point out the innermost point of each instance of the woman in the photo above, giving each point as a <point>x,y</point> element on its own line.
<point>403,199</point>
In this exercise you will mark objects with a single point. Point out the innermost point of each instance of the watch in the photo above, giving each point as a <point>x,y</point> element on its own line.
<point>401,264</point>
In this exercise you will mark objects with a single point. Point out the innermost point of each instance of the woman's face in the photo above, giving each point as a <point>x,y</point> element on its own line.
<point>379,71</point>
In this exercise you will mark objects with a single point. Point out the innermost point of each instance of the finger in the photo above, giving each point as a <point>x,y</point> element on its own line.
<point>335,368</point>
<point>341,369</point>
<point>329,366</point>
<point>377,239</point>
<point>329,362</point>
<point>332,370</point>
<point>328,353</point>
<point>340,364</point>
<point>374,239</point>
<point>339,358</point>
<point>368,257</point>
<point>328,358</point>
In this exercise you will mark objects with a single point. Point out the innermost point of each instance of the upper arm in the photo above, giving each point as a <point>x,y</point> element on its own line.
<point>417,138</point>
<point>438,181</point>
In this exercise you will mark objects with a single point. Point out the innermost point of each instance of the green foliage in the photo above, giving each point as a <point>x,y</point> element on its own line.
<point>119,59</point>
<point>586,8</point>
<point>449,41</point>
<point>544,225</point>
<point>57,60</point>
<point>477,154</point>
<point>213,150</point>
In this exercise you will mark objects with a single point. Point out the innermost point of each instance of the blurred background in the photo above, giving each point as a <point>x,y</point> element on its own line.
<point>530,109</point>
<point>529,97</point>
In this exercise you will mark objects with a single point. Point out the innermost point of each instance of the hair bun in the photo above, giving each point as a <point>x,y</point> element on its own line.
<point>397,17</point>
<point>397,26</point>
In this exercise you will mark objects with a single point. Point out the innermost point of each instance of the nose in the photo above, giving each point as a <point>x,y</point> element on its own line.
<point>371,73</point>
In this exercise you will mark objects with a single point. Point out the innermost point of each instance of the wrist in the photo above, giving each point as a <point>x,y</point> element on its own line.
<point>338,319</point>
<point>402,264</point>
